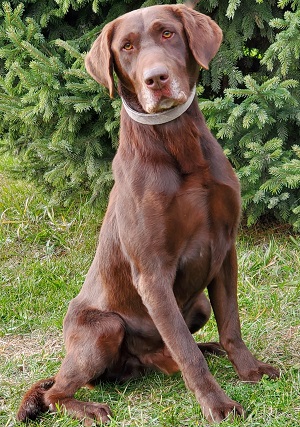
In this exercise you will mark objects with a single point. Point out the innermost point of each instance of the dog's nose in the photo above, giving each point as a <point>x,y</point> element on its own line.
<point>156,77</point>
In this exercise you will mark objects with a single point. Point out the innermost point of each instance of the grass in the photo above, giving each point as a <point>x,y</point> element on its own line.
<point>44,255</point>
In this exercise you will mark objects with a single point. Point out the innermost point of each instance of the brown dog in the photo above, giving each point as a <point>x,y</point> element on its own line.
<point>169,231</point>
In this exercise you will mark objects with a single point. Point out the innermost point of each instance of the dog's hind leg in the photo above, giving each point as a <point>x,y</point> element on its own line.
<point>93,342</point>
<point>223,296</point>
<point>196,316</point>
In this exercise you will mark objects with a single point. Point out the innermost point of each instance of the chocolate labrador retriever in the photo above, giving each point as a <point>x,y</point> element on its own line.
<point>169,231</point>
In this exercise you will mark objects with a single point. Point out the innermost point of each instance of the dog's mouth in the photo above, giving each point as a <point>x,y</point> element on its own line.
<point>164,111</point>
<point>155,101</point>
<point>168,103</point>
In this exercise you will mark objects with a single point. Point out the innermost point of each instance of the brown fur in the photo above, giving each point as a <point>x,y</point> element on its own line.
<point>169,231</point>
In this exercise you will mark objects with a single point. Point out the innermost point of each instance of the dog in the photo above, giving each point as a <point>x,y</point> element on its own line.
<point>169,231</point>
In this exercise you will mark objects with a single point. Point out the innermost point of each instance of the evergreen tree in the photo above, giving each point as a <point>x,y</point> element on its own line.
<point>64,128</point>
<point>258,120</point>
<point>54,116</point>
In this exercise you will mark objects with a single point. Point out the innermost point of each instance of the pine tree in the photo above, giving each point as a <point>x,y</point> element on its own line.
<point>254,126</point>
<point>258,122</point>
<point>59,121</point>
<point>64,128</point>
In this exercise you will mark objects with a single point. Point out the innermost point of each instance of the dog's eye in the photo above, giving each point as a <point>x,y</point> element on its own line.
<point>167,34</point>
<point>128,46</point>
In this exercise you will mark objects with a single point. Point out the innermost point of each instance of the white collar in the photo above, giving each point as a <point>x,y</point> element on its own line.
<point>162,117</point>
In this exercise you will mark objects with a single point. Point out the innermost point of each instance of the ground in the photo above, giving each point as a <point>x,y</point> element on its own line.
<point>44,255</point>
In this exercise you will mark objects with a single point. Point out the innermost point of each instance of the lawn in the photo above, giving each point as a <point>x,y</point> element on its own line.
<point>45,253</point>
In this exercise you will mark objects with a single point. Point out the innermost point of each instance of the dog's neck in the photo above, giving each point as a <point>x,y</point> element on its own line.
<point>178,140</point>
<point>136,113</point>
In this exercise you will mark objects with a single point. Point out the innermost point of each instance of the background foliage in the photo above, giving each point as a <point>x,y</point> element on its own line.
<point>63,127</point>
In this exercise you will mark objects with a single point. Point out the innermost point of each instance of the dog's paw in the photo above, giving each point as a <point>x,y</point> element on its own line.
<point>223,410</point>
<point>90,413</point>
<point>96,412</point>
<point>255,373</point>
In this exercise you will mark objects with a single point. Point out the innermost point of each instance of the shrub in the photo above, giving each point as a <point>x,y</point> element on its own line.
<point>63,127</point>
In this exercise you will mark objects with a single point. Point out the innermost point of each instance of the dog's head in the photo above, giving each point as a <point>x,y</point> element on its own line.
<point>156,53</point>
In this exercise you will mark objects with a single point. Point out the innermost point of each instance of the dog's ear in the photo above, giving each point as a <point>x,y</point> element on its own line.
<point>203,34</point>
<point>99,60</point>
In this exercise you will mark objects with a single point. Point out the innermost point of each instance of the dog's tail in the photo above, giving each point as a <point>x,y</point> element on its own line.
<point>33,402</point>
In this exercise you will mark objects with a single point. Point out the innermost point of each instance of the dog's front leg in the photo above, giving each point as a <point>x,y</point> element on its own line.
<point>223,296</point>
<point>158,297</point>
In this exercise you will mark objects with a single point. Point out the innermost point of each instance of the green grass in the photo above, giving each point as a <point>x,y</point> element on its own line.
<point>44,256</point>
